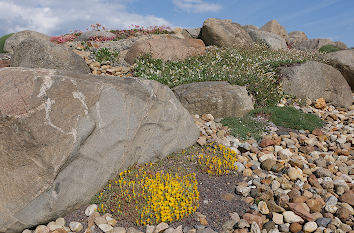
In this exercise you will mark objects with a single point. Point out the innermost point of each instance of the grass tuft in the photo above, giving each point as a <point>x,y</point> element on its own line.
<point>329,49</point>
<point>245,127</point>
<point>290,117</point>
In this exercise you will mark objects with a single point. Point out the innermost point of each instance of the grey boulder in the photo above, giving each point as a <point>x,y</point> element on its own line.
<point>273,26</point>
<point>13,41</point>
<point>272,40</point>
<point>224,33</point>
<point>344,62</point>
<point>220,99</point>
<point>65,135</point>
<point>314,80</point>
<point>36,53</point>
<point>85,36</point>
<point>312,44</point>
<point>297,36</point>
<point>193,32</point>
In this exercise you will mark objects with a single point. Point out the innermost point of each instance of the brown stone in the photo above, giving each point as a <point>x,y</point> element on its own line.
<point>295,227</point>
<point>343,214</point>
<point>166,49</point>
<point>315,204</point>
<point>312,179</point>
<point>259,219</point>
<point>4,63</point>
<point>320,103</point>
<point>300,199</point>
<point>299,209</point>
<point>317,132</point>
<point>59,231</point>
<point>348,197</point>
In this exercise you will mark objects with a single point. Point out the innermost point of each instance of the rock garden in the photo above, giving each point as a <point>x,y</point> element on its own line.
<point>224,128</point>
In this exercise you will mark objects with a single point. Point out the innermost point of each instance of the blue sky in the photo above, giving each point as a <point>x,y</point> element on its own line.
<point>333,19</point>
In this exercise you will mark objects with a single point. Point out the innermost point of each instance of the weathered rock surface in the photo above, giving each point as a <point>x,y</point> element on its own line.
<point>37,53</point>
<point>316,80</point>
<point>344,62</point>
<point>193,32</point>
<point>312,44</point>
<point>224,33</point>
<point>272,40</point>
<point>167,49</point>
<point>220,99</point>
<point>65,135</point>
<point>92,34</point>
<point>297,36</point>
<point>340,45</point>
<point>274,27</point>
<point>248,26</point>
<point>13,41</point>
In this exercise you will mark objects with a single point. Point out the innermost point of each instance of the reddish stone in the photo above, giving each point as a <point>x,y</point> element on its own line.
<point>298,209</point>
<point>259,219</point>
<point>313,181</point>
<point>295,227</point>
<point>317,132</point>
<point>348,197</point>
<point>4,63</point>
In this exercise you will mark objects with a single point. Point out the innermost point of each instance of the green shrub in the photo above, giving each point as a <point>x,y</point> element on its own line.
<point>329,48</point>
<point>253,67</point>
<point>290,117</point>
<point>104,54</point>
<point>2,42</point>
<point>244,127</point>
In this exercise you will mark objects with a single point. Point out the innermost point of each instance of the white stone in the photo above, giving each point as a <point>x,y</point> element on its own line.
<point>161,227</point>
<point>60,222</point>
<point>291,217</point>
<point>255,228</point>
<point>278,218</point>
<point>263,208</point>
<point>266,156</point>
<point>91,209</point>
<point>295,173</point>
<point>118,230</point>
<point>285,154</point>
<point>150,229</point>
<point>26,231</point>
<point>310,227</point>
<point>41,229</point>
<point>76,226</point>
<point>53,226</point>
<point>105,227</point>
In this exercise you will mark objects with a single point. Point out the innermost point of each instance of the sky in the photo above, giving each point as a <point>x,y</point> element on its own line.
<point>332,19</point>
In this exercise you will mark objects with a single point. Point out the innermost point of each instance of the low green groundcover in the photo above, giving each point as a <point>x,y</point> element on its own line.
<point>329,48</point>
<point>2,42</point>
<point>244,127</point>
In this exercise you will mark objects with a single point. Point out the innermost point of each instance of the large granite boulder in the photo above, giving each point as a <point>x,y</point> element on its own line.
<point>166,49</point>
<point>37,53</point>
<point>297,36</point>
<point>312,44</point>
<point>85,36</point>
<point>224,33</point>
<point>274,27</point>
<point>13,41</point>
<point>65,136</point>
<point>344,62</point>
<point>340,45</point>
<point>193,32</point>
<point>248,26</point>
<point>220,99</point>
<point>272,40</point>
<point>314,80</point>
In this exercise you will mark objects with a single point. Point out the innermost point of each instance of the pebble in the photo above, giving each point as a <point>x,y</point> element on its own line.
<point>76,226</point>
<point>90,209</point>
<point>310,227</point>
<point>291,217</point>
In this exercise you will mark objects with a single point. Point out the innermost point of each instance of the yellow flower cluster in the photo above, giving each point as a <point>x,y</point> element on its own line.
<point>217,160</point>
<point>150,197</point>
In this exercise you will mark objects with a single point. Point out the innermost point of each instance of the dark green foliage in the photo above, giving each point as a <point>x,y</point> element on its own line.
<point>104,54</point>
<point>2,42</point>
<point>244,127</point>
<point>290,117</point>
<point>329,48</point>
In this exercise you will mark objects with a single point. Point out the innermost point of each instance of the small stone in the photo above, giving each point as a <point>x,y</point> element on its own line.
<point>269,225</point>
<point>150,229</point>
<point>202,140</point>
<point>284,227</point>
<point>229,225</point>
<point>301,209</point>
<point>26,231</point>
<point>320,103</point>
<point>121,230</point>
<point>315,204</point>
<point>268,164</point>
<point>111,221</point>
<point>255,228</point>
<point>285,154</point>
<point>253,218</point>
<point>242,224</point>
<point>343,214</point>
<point>291,217</point>
<point>161,227</point>
<point>295,227</point>
<point>105,227</point>
<point>348,197</point>
<point>263,208</point>
<point>41,229</point>
<point>91,209</point>
<point>310,227</point>
<point>275,185</point>
<point>53,226</point>
<point>295,173</point>
<point>323,172</point>
<point>331,200</point>
<point>235,216</point>
<point>247,172</point>
<point>133,230</point>
<point>323,222</point>
<point>76,226</point>
<point>100,220</point>
<point>278,218</point>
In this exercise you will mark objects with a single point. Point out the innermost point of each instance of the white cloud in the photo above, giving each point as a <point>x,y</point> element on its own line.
<point>54,17</point>
<point>197,6</point>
